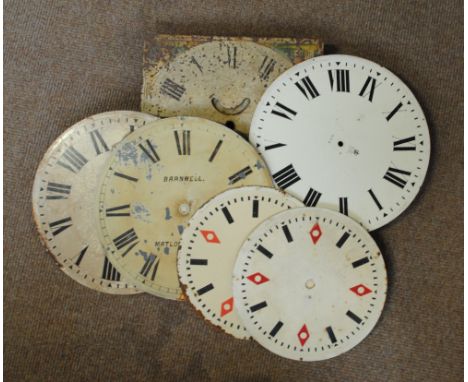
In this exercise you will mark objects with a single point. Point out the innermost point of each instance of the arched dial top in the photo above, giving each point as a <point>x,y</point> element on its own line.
<point>324,284</point>
<point>64,193</point>
<point>219,80</point>
<point>344,133</point>
<point>210,245</point>
<point>155,180</point>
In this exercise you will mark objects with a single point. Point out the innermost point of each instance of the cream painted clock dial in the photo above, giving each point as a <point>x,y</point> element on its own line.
<point>210,245</point>
<point>344,133</point>
<point>321,284</point>
<point>64,193</point>
<point>155,180</point>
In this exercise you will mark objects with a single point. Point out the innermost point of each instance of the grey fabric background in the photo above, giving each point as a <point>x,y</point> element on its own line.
<point>65,60</point>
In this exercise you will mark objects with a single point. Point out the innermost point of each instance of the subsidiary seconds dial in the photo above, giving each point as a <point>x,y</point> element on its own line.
<point>344,133</point>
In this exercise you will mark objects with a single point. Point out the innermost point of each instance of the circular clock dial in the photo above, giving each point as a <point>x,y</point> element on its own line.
<point>220,81</point>
<point>210,245</point>
<point>344,133</point>
<point>323,284</point>
<point>64,193</point>
<point>156,179</point>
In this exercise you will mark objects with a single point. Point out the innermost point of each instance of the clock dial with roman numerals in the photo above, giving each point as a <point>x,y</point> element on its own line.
<point>64,197</point>
<point>344,133</point>
<point>155,180</point>
<point>210,245</point>
<point>324,284</point>
<point>217,78</point>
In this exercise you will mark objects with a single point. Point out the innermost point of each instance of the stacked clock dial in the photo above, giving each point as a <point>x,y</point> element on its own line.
<point>154,182</point>
<point>210,245</point>
<point>322,284</point>
<point>344,133</point>
<point>64,192</point>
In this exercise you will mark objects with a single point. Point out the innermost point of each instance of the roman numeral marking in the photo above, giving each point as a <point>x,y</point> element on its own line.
<point>57,191</point>
<point>354,317</point>
<point>343,202</point>
<point>109,272</point>
<point>183,149</point>
<point>227,215</point>
<point>307,88</point>
<point>286,177</point>
<point>283,111</point>
<point>370,81</point>
<point>128,238</point>
<point>128,177</point>
<point>396,180</point>
<point>196,63</point>
<point>98,142</point>
<point>172,89</point>
<point>264,251</point>
<point>374,198</point>
<point>72,160</point>
<point>275,146</point>
<point>399,145</point>
<point>258,306</point>
<point>151,262</point>
<point>360,262</point>
<point>342,240</point>
<point>205,289</point>
<point>149,150</point>
<point>331,335</point>
<point>287,233</point>
<point>198,262</point>
<point>59,226</point>
<point>242,174</point>
<point>215,151</point>
<point>255,207</point>
<point>232,56</point>
<point>393,112</point>
<point>312,198</point>
<point>81,255</point>
<point>339,80</point>
<point>123,210</point>
<point>268,64</point>
<point>276,328</point>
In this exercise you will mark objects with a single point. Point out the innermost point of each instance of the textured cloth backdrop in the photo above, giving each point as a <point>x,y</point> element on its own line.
<point>67,60</point>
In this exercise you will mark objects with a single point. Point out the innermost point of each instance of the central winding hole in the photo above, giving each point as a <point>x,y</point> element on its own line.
<point>340,143</point>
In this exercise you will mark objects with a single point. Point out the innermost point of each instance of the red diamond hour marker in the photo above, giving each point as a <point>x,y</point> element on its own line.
<point>303,335</point>
<point>360,290</point>
<point>315,233</point>
<point>227,306</point>
<point>258,278</point>
<point>210,236</point>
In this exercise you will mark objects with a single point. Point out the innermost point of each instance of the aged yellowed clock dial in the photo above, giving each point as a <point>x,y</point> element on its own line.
<point>156,179</point>
<point>64,197</point>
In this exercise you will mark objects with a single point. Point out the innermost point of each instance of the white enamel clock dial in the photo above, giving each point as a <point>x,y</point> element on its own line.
<point>344,133</point>
<point>220,80</point>
<point>323,284</point>
<point>155,180</point>
<point>210,245</point>
<point>64,193</point>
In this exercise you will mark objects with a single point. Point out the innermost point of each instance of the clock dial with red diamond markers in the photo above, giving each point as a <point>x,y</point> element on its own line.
<point>344,133</point>
<point>311,284</point>
<point>64,195</point>
<point>153,183</point>
<point>210,245</point>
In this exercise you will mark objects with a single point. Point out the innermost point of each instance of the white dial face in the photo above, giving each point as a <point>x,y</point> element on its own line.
<point>220,81</point>
<point>211,243</point>
<point>322,284</point>
<point>64,197</point>
<point>154,182</point>
<point>344,133</point>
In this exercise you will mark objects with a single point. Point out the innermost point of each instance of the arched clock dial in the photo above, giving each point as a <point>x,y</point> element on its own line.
<point>219,80</point>
<point>210,245</point>
<point>155,180</point>
<point>64,193</point>
<point>344,133</point>
<point>323,284</point>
